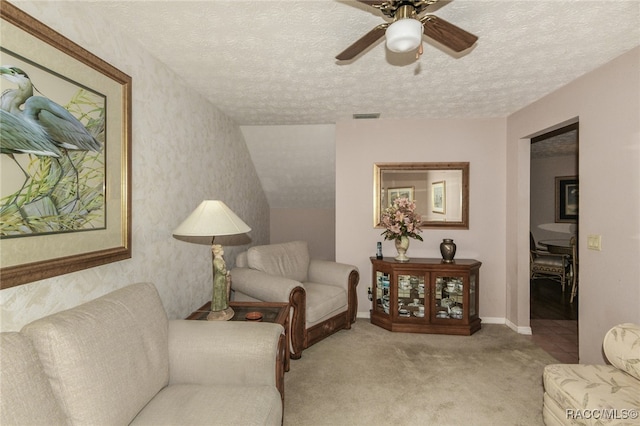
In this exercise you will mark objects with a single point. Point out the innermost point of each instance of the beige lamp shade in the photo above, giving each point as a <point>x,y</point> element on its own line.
<point>211,218</point>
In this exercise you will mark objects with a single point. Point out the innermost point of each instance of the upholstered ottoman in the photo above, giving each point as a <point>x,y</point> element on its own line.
<point>597,394</point>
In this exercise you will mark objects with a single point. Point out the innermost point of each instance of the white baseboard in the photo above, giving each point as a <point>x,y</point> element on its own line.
<point>485,320</point>
<point>493,320</point>
<point>519,330</point>
<point>496,320</point>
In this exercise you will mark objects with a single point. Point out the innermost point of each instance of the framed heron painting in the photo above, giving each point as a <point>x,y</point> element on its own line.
<point>65,134</point>
<point>566,199</point>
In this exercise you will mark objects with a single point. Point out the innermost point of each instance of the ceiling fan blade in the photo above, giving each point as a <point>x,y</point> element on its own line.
<point>453,37</point>
<point>365,41</point>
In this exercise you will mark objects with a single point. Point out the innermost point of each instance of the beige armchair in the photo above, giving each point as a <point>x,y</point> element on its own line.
<point>322,294</point>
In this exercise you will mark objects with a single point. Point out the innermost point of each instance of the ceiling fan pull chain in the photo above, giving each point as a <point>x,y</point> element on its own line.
<point>419,52</point>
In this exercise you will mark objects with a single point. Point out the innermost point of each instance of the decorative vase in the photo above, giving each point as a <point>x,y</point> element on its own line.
<point>448,250</point>
<point>402,245</point>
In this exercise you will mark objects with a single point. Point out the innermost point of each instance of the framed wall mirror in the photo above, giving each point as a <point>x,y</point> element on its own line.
<point>440,191</point>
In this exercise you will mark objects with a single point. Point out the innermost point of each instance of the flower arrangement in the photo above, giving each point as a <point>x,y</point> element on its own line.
<point>401,220</point>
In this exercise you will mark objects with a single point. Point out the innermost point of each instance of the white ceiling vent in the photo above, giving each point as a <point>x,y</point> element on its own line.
<point>368,116</point>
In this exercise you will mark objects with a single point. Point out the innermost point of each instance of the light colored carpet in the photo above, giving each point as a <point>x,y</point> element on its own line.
<point>370,376</point>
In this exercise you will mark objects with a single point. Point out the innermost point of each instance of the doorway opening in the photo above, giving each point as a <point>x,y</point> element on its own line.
<point>554,221</point>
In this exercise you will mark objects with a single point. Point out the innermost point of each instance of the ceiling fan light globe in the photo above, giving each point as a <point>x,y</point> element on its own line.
<point>404,35</point>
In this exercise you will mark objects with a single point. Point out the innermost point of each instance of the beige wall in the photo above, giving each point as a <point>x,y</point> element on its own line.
<point>607,104</point>
<point>543,196</point>
<point>360,144</point>
<point>316,226</point>
<point>184,150</point>
<point>295,164</point>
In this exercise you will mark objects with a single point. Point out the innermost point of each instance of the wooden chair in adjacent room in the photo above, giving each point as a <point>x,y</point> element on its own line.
<point>543,264</point>
<point>574,268</point>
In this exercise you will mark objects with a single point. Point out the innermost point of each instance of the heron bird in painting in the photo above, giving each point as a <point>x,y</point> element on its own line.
<point>38,112</point>
<point>39,126</point>
<point>19,136</point>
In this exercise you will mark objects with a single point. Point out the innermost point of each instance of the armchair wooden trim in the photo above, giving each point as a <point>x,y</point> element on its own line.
<point>297,301</point>
<point>354,278</point>
<point>338,322</point>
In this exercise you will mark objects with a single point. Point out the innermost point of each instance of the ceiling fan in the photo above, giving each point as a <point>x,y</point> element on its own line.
<point>404,33</point>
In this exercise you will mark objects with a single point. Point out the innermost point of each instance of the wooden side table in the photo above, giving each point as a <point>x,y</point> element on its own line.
<point>271,312</point>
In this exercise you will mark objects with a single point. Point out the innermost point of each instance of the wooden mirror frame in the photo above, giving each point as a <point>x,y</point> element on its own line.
<point>461,222</point>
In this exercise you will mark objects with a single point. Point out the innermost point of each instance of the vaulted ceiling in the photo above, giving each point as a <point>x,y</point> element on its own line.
<point>272,62</point>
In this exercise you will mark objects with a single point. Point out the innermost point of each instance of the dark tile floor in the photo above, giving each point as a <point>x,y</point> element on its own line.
<point>554,320</point>
<point>558,337</point>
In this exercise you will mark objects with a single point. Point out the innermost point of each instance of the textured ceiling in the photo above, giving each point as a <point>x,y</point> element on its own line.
<point>266,62</point>
<point>557,146</point>
<point>272,62</point>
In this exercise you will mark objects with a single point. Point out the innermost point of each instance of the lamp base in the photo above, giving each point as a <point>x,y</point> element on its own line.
<point>223,315</point>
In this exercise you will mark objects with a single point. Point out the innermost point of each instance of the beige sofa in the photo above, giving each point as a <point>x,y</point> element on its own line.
<point>321,293</point>
<point>579,394</point>
<point>117,360</point>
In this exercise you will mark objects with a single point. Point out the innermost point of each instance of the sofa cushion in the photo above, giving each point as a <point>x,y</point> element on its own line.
<point>591,387</point>
<point>221,405</point>
<point>241,260</point>
<point>289,260</point>
<point>323,302</point>
<point>27,397</point>
<point>107,358</point>
<point>622,347</point>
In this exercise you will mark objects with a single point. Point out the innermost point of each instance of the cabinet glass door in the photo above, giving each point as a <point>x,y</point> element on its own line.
<point>411,296</point>
<point>449,298</point>
<point>473,309</point>
<point>382,292</point>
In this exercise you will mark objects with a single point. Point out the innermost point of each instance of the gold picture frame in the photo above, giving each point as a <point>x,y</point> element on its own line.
<point>439,197</point>
<point>34,256</point>
<point>403,192</point>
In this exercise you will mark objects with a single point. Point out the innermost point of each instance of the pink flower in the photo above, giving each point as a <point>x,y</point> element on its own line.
<point>400,219</point>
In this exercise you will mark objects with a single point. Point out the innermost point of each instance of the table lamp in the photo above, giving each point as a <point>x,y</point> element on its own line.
<point>212,218</point>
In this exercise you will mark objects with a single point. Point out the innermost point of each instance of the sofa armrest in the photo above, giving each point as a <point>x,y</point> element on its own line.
<point>228,353</point>
<point>340,275</point>
<point>270,288</point>
<point>263,286</point>
<point>622,347</point>
<point>331,273</point>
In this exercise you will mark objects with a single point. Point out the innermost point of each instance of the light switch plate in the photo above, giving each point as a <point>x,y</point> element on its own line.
<point>594,242</point>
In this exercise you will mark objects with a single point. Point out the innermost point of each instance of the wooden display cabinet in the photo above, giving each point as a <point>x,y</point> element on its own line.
<point>426,295</point>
